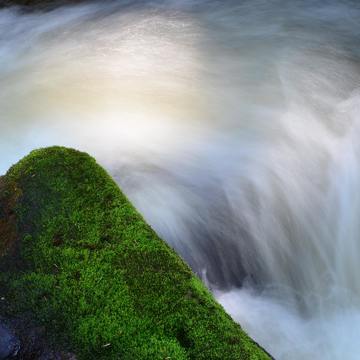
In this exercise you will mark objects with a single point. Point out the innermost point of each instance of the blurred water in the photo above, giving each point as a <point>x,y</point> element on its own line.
<point>234,128</point>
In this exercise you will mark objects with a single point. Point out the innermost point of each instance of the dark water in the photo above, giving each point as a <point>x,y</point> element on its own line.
<point>234,128</point>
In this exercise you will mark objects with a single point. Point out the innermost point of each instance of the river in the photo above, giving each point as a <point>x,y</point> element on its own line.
<point>234,128</point>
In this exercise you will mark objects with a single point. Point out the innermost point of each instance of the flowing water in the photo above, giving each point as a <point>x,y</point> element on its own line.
<point>233,126</point>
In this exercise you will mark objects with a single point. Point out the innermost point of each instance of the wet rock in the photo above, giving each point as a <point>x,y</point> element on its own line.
<point>9,343</point>
<point>39,5</point>
<point>34,344</point>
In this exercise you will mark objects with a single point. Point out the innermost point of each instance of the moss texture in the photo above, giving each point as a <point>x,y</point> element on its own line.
<point>90,269</point>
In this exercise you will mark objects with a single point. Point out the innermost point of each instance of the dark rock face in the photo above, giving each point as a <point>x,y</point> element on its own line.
<point>9,343</point>
<point>21,340</point>
<point>38,5</point>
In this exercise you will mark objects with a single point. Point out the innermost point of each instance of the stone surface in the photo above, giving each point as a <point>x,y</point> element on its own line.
<point>9,343</point>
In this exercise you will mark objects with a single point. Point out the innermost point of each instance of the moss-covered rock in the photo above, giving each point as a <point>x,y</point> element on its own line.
<point>80,259</point>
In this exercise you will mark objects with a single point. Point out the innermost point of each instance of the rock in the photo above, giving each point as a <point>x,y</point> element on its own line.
<point>92,272</point>
<point>9,343</point>
<point>33,340</point>
<point>39,5</point>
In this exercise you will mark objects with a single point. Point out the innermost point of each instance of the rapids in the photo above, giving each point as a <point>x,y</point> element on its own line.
<point>233,126</point>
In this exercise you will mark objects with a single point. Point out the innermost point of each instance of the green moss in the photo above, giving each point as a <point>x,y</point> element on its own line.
<point>98,277</point>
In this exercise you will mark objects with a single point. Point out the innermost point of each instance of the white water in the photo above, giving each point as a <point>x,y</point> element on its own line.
<point>234,128</point>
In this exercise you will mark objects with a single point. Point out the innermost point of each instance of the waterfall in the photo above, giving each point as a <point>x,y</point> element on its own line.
<point>232,126</point>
